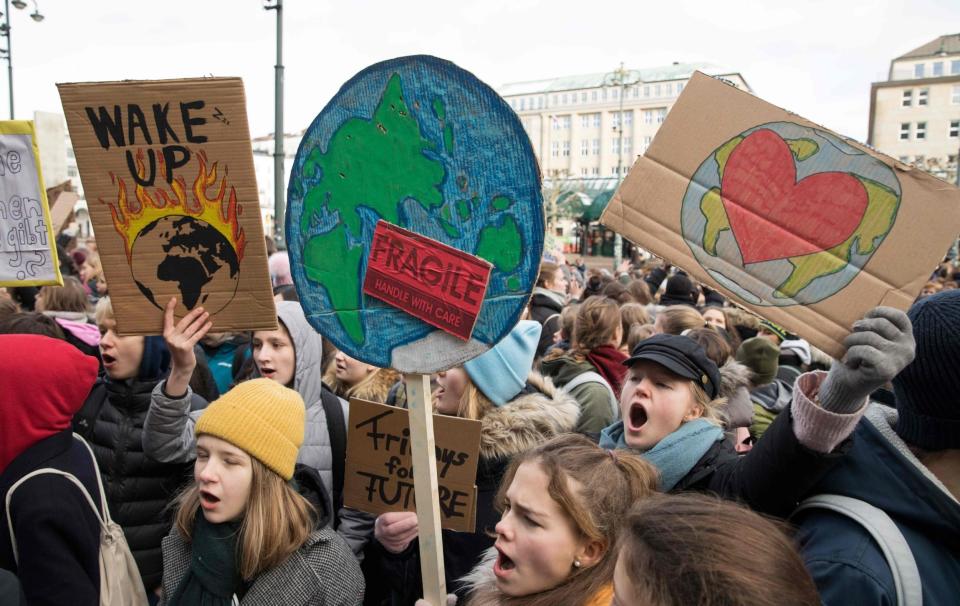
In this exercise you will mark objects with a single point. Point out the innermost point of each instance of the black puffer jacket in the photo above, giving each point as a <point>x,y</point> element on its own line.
<point>545,308</point>
<point>138,488</point>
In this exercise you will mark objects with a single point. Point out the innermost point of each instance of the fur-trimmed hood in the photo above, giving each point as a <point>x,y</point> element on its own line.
<point>735,387</point>
<point>733,375</point>
<point>480,583</point>
<point>539,413</point>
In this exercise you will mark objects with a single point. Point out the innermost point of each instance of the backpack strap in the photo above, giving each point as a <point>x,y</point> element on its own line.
<point>903,566</point>
<point>594,377</point>
<point>337,428</point>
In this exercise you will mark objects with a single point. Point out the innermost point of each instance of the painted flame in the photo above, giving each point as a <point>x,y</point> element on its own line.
<point>131,215</point>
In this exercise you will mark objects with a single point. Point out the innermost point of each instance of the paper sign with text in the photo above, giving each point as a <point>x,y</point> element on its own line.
<point>803,226</point>
<point>28,252</point>
<point>379,472</point>
<point>439,284</point>
<point>167,170</point>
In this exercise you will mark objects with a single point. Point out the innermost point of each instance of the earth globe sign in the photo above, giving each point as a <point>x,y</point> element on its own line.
<point>423,144</point>
<point>785,214</point>
<point>186,257</point>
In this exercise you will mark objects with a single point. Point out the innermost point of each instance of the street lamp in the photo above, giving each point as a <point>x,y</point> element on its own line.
<point>621,78</point>
<point>7,53</point>
<point>279,206</point>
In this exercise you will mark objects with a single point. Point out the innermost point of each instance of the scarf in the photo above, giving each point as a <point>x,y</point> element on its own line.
<point>213,577</point>
<point>608,361</point>
<point>675,455</point>
<point>554,296</point>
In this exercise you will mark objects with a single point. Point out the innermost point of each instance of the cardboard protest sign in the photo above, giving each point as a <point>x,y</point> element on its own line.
<point>28,251</point>
<point>379,473</point>
<point>803,226</point>
<point>439,284</point>
<point>61,209</point>
<point>419,143</point>
<point>168,169</point>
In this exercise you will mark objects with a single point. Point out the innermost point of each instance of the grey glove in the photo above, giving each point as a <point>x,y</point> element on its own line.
<point>880,346</point>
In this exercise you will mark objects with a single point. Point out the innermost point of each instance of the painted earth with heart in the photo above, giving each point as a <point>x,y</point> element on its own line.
<point>784,214</point>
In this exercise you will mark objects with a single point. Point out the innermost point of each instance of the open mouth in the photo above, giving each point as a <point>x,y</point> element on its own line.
<point>267,372</point>
<point>107,358</point>
<point>208,500</point>
<point>638,416</point>
<point>503,564</point>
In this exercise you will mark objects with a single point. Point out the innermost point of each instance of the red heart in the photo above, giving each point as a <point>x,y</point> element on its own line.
<point>775,217</point>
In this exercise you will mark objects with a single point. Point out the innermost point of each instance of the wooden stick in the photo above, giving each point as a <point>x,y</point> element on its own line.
<point>426,488</point>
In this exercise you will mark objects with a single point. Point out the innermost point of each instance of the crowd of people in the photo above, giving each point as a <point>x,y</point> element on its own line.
<point>643,442</point>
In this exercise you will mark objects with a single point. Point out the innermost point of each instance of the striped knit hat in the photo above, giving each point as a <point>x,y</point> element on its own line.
<point>261,417</point>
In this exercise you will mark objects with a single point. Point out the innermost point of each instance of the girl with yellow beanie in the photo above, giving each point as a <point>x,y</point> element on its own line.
<point>241,531</point>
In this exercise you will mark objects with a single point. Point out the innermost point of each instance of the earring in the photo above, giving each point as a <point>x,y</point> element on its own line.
<point>576,564</point>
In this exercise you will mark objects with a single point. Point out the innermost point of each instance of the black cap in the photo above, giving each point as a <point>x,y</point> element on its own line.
<point>682,356</point>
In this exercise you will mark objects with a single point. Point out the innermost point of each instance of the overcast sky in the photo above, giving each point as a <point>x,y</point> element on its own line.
<point>815,58</point>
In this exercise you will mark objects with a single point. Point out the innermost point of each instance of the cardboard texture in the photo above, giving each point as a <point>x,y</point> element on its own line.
<point>167,168</point>
<point>379,474</point>
<point>422,144</point>
<point>801,225</point>
<point>61,209</point>
<point>437,283</point>
<point>28,251</point>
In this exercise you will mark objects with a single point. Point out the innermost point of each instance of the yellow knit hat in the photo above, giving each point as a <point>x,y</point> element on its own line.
<point>261,417</point>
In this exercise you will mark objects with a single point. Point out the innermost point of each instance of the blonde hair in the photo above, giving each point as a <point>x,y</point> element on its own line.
<point>594,488</point>
<point>473,404</point>
<point>711,410</point>
<point>678,318</point>
<point>93,260</point>
<point>276,521</point>
<point>103,311</point>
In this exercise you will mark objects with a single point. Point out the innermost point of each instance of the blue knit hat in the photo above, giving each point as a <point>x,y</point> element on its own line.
<point>926,390</point>
<point>501,373</point>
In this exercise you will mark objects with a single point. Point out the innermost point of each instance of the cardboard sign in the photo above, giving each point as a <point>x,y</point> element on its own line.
<point>28,251</point>
<point>61,209</point>
<point>422,144</point>
<point>437,283</point>
<point>379,473</point>
<point>167,168</point>
<point>805,227</point>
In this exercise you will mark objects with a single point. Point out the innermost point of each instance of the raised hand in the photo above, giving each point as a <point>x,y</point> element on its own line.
<point>880,346</point>
<point>181,338</point>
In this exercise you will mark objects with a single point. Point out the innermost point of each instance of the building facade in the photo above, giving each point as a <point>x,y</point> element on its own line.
<point>915,113</point>
<point>588,130</point>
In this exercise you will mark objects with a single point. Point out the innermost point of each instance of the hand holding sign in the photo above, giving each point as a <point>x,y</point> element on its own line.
<point>181,338</point>
<point>395,530</point>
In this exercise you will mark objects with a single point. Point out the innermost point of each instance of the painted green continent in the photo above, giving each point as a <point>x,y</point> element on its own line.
<point>377,164</point>
<point>711,205</point>
<point>501,245</point>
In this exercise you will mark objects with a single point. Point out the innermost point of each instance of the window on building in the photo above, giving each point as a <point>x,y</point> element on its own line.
<point>646,91</point>
<point>907,98</point>
<point>615,145</point>
<point>523,104</point>
<point>648,116</point>
<point>669,88</point>
<point>647,141</point>
<point>555,99</point>
<point>656,90</point>
<point>922,95</point>
<point>921,132</point>
<point>72,171</point>
<point>904,131</point>
<point>563,98</point>
<point>573,98</point>
<point>628,118</point>
<point>595,147</point>
<point>566,149</point>
<point>583,97</point>
<point>584,120</point>
<point>615,116</point>
<point>955,95</point>
<point>679,87</point>
<point>70,152</point>
<point>584,170</point>
<point>555,123</point>
<point>593,96</point>
<point>615,93</point>
<point>584,147</point>
<point>954,130</point>
<point>636,92</point>
<point>555,149</point>
<point>596,171</point>
<point>565,122</point>
<point>627,146</point>
<point>938,68</point>
<point>613,171</point>
<point>661,115</point>
<point>918,70</point>
<point>955,67</point>
<point>604,94</point>
<point>596,120</point>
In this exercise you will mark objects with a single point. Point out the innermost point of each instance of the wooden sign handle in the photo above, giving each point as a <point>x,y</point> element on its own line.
<point>426,488</point>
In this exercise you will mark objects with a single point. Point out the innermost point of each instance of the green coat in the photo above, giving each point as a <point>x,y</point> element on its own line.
<point>593,398</point>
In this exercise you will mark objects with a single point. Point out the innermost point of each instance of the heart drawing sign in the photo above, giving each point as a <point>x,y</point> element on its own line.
<point>800,225</point>
<point>794,207</point>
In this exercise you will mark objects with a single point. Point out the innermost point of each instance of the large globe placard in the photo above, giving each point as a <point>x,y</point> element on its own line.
<point>420,143</point>
<point>796,208</point>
